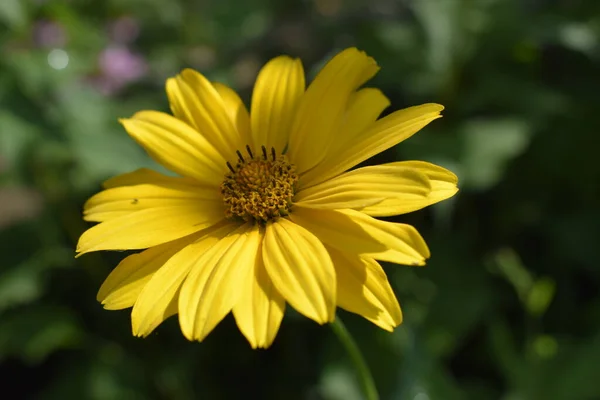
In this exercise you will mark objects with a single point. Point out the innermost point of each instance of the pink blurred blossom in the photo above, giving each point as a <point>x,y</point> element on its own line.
<point>119,66</point>
<point>124,30</point>
<point>49,34</point>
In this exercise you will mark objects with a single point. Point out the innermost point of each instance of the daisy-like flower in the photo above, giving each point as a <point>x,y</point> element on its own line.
<point>263,213</point>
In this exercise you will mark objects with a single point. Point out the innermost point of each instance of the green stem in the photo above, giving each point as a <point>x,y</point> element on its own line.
<point>366,378</point>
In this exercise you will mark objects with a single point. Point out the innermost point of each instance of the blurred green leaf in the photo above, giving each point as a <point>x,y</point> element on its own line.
<point>545,346</point>
<point>19,286</point>
<point>340,383</point>
<point>489,145</point>
<point>540,296</point>
<point>104,375</point>
<point>13,13</point>
<point>25,282</point>
<point>504,349</point>
<point>33,334</point>
<point>511,266</point>
<point>423,376</point>
<point>16,135</point>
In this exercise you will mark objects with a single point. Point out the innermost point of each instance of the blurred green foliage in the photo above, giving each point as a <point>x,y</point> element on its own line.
<point>508,306</point>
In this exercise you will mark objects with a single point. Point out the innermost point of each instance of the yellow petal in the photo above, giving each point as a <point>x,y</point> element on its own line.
<point>177,146</point>
<point>145,175</point>
<point>158,295</point>
<point>259,310</point>
<point>443,186</point>
<point>214,284</point>
<point>151,227</point>
<point>301,269</point>
<point>124,284</point>
<point>356,233</point>
<point>236,110</point>
<point>366,186</point>
<point>322,108</point>
<point>443,181</point>
<point>277,92</point>
<point>383,134</point>
<point>195,101</point>
<point>364,107</point>
<point>160,193</point>
<point>363,288</point>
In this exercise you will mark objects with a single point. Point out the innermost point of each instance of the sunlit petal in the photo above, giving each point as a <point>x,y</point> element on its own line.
<point>365,187</point>
<point>197,102</point>
<point>364,107</point>
<point>177,146</point>
<point>301,269</point>
<point>125,283</point>
<point>383,134</point>
<point>213,286</point>
<point>321,110</point>
<point>363,288</point>
<point>155,301</point>
<point>443,186</point>
<point>145,175</point>
<point>356,233</point>
<point>277,92</point>
<point>236,110</point>
<point>161,192</point>
<point>151,227</point>
<point>259,311</point>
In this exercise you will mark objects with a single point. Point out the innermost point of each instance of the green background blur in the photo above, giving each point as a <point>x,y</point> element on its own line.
<point>508,306</point>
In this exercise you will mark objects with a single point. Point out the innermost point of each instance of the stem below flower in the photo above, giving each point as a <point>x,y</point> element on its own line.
<point>366,379</point>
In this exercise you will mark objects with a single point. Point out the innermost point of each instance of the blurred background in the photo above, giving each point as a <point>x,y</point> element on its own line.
<point>508,306</point>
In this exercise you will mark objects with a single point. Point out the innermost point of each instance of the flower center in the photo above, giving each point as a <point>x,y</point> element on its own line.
<point>259,188</point>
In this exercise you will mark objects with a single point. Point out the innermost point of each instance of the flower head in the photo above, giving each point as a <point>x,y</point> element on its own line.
<point>263,212</point>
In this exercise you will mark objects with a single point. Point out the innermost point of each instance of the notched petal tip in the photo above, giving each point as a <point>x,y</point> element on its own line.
<point>426,111</point>
<point>370,66</point>
<point>435,107</point>
<point>108,305</point>
<point>135,331</point>
<point>260,345</point>
<point>420,263</point>
<point>81,249</point>
<point>355,51</point>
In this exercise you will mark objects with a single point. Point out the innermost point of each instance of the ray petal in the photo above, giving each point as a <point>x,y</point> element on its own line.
<point>301,269</point>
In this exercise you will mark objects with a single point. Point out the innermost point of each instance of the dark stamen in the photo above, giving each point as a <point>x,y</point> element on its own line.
<point>249,151</point>
<point>240,156</point>
<point>264,150</point>
<point>273,153</point>
<point>230,167</point>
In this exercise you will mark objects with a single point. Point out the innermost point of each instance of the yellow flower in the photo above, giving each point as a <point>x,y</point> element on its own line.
<point>263,213</point>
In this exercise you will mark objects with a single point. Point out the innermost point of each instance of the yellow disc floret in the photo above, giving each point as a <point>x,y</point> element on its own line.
<point>259,188</point>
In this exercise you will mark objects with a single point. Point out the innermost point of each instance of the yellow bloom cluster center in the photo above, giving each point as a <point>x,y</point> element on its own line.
<point>259,188</point>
